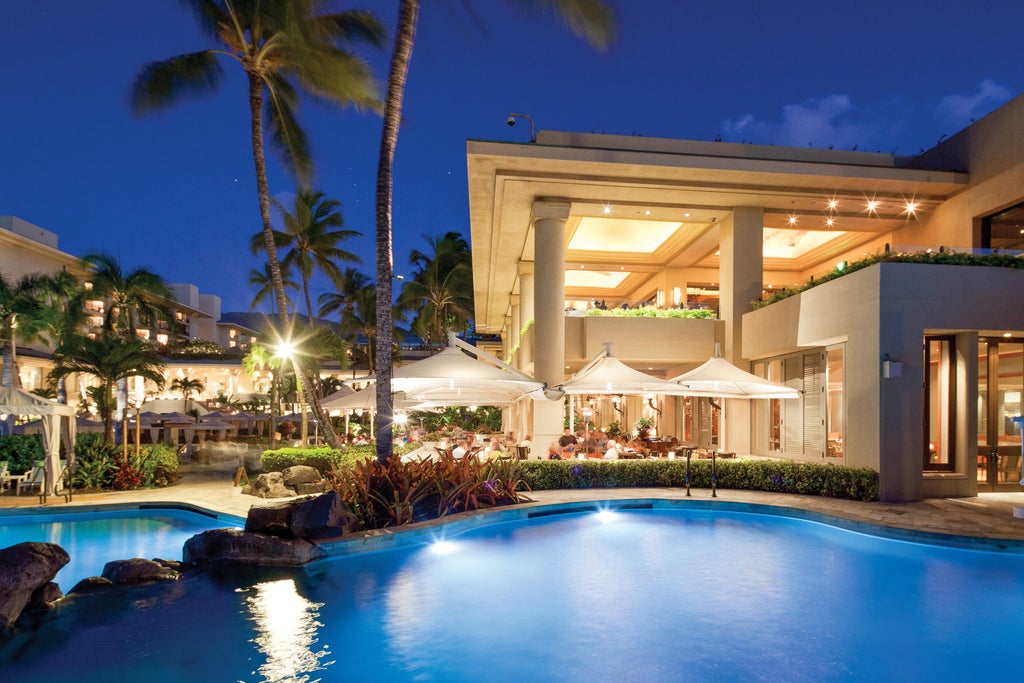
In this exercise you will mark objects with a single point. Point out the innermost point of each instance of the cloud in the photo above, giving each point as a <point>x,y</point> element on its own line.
<point>957,111</point>
<point>817,122</point>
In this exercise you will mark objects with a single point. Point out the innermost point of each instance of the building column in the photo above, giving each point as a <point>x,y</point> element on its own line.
<point>741,275</point>
<point>527,312</point>
<point>549,314</point>
<point>514,346</point>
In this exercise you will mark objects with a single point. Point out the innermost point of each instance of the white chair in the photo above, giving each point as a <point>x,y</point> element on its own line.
<point>35,479</point>
<point>5,475</point>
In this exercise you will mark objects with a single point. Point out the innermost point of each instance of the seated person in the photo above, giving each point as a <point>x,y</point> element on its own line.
<point>527,441</point>
<point>460,451</point>
<point>567,443</point>
<point>493,448</point>
<point>613,451</point>
<point>554,451</point>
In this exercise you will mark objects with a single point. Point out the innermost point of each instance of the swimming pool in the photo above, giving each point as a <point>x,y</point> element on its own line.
<point>633,595</point>
<point>93,538</point>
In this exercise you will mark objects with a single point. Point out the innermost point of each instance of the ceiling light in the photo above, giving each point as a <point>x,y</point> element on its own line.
<point>607,210</point>
<point>1007,334</point>
<point>830,222</point>
<point>833,204</point>
<point>911,207</point>
<point>686,215</point>
<point>872,205</point>
<point>647,212</point>
<point>792,220</point>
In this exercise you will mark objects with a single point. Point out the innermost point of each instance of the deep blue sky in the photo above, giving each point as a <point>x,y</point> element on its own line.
<point>174,191</point>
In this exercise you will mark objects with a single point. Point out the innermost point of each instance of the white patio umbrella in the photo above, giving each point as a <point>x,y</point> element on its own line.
<point>718,378</point>
<point>462,375</point>
<point>606,375</point>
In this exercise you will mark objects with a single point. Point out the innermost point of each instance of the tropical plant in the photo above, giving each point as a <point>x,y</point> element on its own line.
<point>654,312</point>
<point>22,316</point>
<point>282,46</point>
<point>590,19</point>
<point>65,314</point>
<point>108,359</point>
<point>258,359</point>
<point>129,298</point>
<point>348,286</point>
<point>187,386</point>
<point>264,282</point>
<point>311,234</point>
<point>95,464</point>
<point>440,290</point>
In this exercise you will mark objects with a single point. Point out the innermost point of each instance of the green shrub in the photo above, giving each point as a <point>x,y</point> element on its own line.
<point>323,458</point>
<point>158,465</point>
<point>95,464</point>
<point>754,475</point>
<point>653,312</point>
<point>21,451</point>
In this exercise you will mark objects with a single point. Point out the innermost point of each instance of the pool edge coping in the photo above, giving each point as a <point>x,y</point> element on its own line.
<point>41,510</point>
<point>432,530</point>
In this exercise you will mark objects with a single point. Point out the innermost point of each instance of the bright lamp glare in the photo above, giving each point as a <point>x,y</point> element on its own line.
<point>401,419</point>
<point>285,349</point>
<point>442,547</point>
<point>605,516</point>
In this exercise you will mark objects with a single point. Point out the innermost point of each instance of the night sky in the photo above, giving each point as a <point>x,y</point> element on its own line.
<point>175,191</point>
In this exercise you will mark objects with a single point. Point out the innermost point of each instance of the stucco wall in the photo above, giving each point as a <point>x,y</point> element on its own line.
<point>887,309</point>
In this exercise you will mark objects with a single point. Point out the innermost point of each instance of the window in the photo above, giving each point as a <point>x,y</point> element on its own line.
<point>940,403</point>
<point>1004,230</point>
<point>836,407</point>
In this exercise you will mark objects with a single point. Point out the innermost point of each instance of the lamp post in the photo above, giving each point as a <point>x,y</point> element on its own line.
<point>286,351</point>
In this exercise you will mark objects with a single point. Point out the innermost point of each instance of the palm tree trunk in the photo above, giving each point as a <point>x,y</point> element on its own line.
<point>408,15</point>
<point>263,189</point>
<point>309,305</point>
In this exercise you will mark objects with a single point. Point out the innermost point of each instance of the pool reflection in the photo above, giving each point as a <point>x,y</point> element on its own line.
<point>287,627</point>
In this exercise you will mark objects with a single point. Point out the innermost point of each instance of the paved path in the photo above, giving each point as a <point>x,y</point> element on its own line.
<point>990,515</point>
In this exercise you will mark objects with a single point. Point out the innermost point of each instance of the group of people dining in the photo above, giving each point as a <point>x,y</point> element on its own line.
<point>595,445</point>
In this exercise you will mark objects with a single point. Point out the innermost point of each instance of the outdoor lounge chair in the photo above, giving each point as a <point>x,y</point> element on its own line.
<point>34,479</point>
<point>5,475</point>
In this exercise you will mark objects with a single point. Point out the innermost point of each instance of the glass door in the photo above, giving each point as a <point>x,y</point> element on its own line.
<point>1000,392</point>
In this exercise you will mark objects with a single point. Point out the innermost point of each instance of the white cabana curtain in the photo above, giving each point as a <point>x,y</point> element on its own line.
<point>14,401</point>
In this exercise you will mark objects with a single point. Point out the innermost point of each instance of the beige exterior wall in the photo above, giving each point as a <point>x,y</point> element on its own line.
<point>887,309</point>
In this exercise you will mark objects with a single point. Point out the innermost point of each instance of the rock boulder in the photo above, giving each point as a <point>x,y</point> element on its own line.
<point>245,547</point>
<point>322,517</point>
<point>273,518</point>
<point>24,569</point>
<point>268,485</point>
<point>301,474</point>
<point>138,570</point>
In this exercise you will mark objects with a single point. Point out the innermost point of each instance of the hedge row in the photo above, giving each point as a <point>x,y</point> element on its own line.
<point>324,458</point>
<point>779,476</point>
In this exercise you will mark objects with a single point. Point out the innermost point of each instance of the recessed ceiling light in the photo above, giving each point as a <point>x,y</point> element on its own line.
<point>833,204</point>
<point>830,222</point>
<point>647,212</point>
<point>792,220</point>
<point>606,210</point>
<point>872,205</point>
<point>911,207</point>
<point>686,215</point>
<point>1007,334</point>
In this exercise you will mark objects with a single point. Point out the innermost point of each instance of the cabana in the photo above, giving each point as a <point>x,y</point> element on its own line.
<point>58,423</point>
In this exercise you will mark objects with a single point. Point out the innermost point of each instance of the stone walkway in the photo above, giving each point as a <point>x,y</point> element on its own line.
<point>990,515</point>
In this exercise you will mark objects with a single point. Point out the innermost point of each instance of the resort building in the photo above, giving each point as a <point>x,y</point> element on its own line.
<point>915,370</point>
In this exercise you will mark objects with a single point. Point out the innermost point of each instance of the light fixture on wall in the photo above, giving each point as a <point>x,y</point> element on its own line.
<point>891,368</point>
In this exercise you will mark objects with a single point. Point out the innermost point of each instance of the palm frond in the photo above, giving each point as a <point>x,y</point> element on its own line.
<point>163,83</point>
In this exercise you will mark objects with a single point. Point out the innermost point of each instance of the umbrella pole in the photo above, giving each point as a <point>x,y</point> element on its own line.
<point>714,475</point>
<point>689,452</point>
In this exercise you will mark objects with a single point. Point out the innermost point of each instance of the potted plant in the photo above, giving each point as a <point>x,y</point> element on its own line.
<point>643,427</point>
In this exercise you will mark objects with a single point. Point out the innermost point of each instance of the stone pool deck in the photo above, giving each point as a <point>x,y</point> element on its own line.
<point>990,515</point>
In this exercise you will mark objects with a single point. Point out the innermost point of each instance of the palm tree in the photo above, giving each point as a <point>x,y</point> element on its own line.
<point>187,386</point>
<point>65,314</point>
<point>110,360</point>
<point>312,239</point>
<point>264,282</point>
<point>22,316</point>
<point>258,359</point>
<point>348,287</point>
<point>128,298</point>
<point>589,19</point>
<point>282,45</point>
<point>441,288</point>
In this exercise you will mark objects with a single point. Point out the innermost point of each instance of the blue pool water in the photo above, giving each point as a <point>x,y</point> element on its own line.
<point>639,595</point>
<point>94,538</point>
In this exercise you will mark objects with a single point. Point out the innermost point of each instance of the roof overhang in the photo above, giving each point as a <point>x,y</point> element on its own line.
<point>691,183</point>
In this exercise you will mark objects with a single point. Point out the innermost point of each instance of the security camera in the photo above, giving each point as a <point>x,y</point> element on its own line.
<point>511,121</point>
